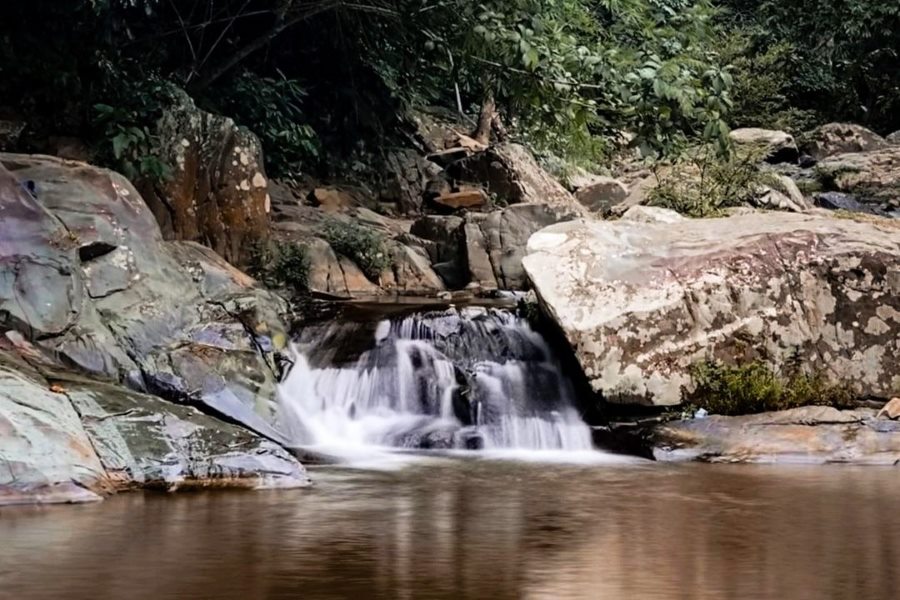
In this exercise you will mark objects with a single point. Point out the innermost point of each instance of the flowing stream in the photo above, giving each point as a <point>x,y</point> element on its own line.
<point>474,378</point>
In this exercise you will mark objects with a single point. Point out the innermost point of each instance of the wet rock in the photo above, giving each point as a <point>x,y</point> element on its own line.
<point>45,453</point>
<point>641,303</point>
<point>872,177</point>
<point>814,435</point>
<point>144,442</point>
<point>839,201</point>
<point>218,192</point>
<point>893,139</point>
<point>841,138</point>
<point>84,272</point>
<point>778,146</point>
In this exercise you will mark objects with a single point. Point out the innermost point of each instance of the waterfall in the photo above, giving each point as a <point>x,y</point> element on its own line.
<point>473,378</point>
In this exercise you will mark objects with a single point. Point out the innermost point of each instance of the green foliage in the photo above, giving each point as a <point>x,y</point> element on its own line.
<point>129,142</point>
<point>704,183</point>
<point>360,244</point>
<point>754,388</point>
<point>272,109</point>
<point>843,60</point>
<point>762,86</point>
<point>287,266</point>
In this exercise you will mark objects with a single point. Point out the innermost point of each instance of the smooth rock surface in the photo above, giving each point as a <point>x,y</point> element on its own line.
<point>640,303</point>
<point>46,455</point>
<point>810,435</point>
<point>143,442</point>
<point>85,272</point>
<point>67,438</point>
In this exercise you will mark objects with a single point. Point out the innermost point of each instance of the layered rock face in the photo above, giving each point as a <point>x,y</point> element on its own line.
<point>84,272</point>
<point>811,435</point>
<point>93,301</point>
<point>69,439</point>
<point>641,302</point>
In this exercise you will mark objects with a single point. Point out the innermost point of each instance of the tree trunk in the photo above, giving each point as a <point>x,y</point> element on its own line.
<point>482,133</point>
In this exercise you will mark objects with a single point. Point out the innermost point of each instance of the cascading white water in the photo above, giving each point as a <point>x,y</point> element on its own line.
<point>472,378</point>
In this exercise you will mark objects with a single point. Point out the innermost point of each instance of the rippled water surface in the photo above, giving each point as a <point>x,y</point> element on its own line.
<point>446,528</point>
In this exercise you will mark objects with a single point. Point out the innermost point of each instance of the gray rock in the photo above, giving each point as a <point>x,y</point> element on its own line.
<point>46,455</point>
<point>511,172</point>
<point>871,177</point>
<point>144,442</point>
<point>641,303</point>
<point>602,194</point>
<point>841,138</point>
<point>70,439</point>
<point>498,240</point>
<point>840,201</point>
<point>85,272</point>
<point>447,247</point>
<point>811,435</point>
<point>411,273</point>
<point>778,146</point>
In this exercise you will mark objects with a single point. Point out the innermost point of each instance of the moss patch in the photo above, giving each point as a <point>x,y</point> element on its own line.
<point>754,388</point>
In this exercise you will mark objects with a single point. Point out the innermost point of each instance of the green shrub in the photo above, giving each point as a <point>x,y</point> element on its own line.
<point>704,183</point>
<point>129,141</point>
<point>754,388</point>
<point>360,244</point>
<point>287,266</point>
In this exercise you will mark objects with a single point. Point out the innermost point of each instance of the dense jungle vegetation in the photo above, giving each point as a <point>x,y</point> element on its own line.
<point>323,78</point>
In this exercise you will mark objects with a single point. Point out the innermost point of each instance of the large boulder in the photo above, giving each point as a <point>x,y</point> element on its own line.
<point>601,194</point>
<point>841,138</point>
<point>145,442</point>
<point>84,272</point>
<point>511,172</point>
<point>217,192</point>
<point>871,177</point>
<point>640,303</point>
<point>776,146</point>
<point>811,435</point>
<point>67,438</point>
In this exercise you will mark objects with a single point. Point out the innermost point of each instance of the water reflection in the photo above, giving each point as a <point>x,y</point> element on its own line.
<point>456,529</point>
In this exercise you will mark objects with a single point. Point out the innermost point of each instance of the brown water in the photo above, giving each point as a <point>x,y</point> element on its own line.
<point>478,529</point>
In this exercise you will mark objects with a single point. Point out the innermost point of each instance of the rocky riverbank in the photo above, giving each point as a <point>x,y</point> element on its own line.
<point>133,356</point>
<point>115,340</point>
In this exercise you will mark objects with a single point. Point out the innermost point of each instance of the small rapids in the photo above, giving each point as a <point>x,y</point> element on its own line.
<point>468,379</point>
